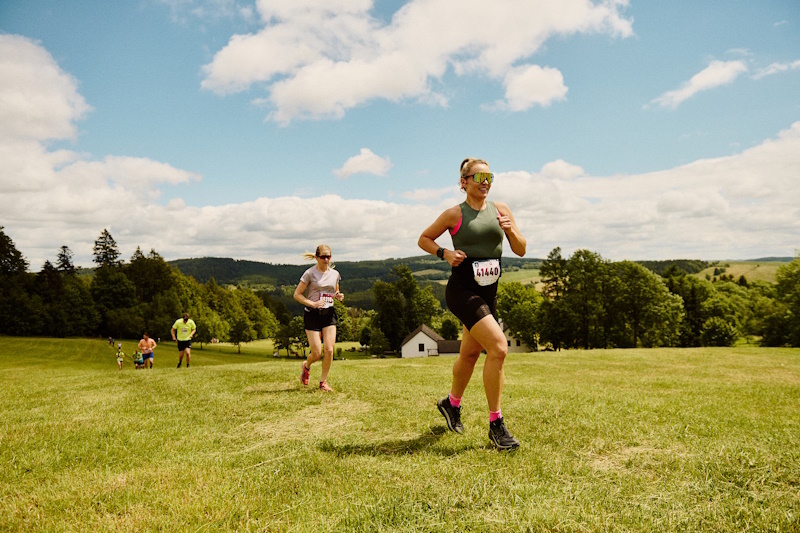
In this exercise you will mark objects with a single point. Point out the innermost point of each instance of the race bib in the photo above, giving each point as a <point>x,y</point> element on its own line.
<point>486,272</point>
<point>327,298</point>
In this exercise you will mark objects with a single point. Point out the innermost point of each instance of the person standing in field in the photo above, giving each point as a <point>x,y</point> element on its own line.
<point>477,227</point>
<point>182,331</point>
<point>146,346</point>
<point>318,287</point>
<point>120,357</point>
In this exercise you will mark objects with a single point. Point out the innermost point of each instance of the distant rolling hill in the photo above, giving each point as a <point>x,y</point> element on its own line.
<point>253,273</point>
<point>358,277</point>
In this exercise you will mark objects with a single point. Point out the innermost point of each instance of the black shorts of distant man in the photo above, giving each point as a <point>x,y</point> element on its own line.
<point>182,331</point>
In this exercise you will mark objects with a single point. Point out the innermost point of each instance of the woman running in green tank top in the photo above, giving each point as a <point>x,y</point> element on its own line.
<point>477,227</point>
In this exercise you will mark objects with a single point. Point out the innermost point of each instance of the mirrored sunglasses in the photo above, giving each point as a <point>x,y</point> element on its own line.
<point>480,177</point>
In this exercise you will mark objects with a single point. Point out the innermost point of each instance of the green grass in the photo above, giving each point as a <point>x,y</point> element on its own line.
<point>752,270</point>
<point>525,276</point>
<point>612,440</point>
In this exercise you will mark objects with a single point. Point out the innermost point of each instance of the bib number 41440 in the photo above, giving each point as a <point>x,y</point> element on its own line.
<point>486,272</point>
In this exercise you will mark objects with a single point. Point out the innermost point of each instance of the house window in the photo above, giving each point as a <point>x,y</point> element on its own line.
<point>517,343</point>
<point>421,347</point>
<point>509,343</point>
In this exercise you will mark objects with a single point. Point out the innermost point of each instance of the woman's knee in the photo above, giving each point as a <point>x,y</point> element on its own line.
<point>469,358</point>
<point>497,352</point>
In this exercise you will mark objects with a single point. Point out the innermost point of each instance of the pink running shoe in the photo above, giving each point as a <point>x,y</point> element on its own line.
<point>305,375</point>
<point>323,386</point>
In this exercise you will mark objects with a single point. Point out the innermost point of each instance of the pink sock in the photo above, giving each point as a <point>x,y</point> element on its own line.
<point>455,402</point>
<point>494,415</point>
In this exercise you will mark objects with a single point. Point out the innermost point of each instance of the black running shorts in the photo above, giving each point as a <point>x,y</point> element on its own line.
<point>319,319</point>
<point>466,299</point>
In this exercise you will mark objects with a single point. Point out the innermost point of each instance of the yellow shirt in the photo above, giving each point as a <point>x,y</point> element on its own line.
<point>184,329</point>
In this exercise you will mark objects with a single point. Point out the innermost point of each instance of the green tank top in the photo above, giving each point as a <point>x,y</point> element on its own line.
<point>478,234</point>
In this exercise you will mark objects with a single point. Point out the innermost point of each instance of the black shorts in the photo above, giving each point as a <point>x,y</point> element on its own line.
<point>466,299</point>
<point>182,345</point>
<point>319,319</point>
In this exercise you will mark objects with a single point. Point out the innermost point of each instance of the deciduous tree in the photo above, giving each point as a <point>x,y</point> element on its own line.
<point>517,305</point>
<point>241,329</point>
<point>583,295</point>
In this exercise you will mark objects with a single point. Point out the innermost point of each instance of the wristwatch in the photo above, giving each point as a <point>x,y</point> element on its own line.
<point>440,253</point>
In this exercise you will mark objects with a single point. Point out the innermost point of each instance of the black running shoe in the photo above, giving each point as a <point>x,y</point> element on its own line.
<point>452,415</point>
<point>179,364</point>
<point>502,439</point>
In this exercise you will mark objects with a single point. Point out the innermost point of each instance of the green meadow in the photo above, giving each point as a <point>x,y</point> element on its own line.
<point>701,439</point>
<point>751,270</point>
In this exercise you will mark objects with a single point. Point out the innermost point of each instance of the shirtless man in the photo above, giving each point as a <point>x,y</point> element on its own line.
<point>146,346</point>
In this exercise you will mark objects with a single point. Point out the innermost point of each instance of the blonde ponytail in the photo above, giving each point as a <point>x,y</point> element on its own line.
<point>312,256</point>
<point>468,163</point>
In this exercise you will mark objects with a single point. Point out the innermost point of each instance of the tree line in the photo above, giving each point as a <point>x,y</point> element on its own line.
<point>123,299</point>
<point>588,302</point>
<point>279,280</point>
<point>583,301</point>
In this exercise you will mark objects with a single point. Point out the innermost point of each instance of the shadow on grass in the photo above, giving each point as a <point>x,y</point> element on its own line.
<point>422,444</point>
<point>273,389</point>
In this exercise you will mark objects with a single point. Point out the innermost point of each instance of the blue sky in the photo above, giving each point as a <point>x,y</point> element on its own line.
<point>256,130</point>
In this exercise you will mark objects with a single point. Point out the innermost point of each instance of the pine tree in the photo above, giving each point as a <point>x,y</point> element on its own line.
<point>64,260</point>
<point>106,252</point>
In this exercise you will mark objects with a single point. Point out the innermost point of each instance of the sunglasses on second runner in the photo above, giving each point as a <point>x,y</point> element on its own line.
<point>324,256</point>
<point>480,177</point>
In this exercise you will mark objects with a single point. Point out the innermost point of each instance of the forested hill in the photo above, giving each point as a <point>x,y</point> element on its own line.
<point>360,275</point>
<point>233,271</point>
<point>693,266</point>
<point>690,266</point>
<point>254,273</point>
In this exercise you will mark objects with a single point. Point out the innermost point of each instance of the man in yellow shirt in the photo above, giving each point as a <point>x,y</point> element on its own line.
<point>182,331</point>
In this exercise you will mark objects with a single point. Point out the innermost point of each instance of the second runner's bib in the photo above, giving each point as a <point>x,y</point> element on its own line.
<point>326,297</point>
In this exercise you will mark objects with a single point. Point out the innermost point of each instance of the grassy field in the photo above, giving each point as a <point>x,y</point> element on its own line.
<point>616,440</point>
<point>523,275</point>
<point>752,270</point>
<point>261,348</point>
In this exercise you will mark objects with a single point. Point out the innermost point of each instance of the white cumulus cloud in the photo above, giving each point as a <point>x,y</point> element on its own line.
<point>717,73</point>
<point>366,162</point>
<point>317,60</point>
<point>776,68</point>
<point>40,101</point>
<point>532,85</point>
<point>560,169</point>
